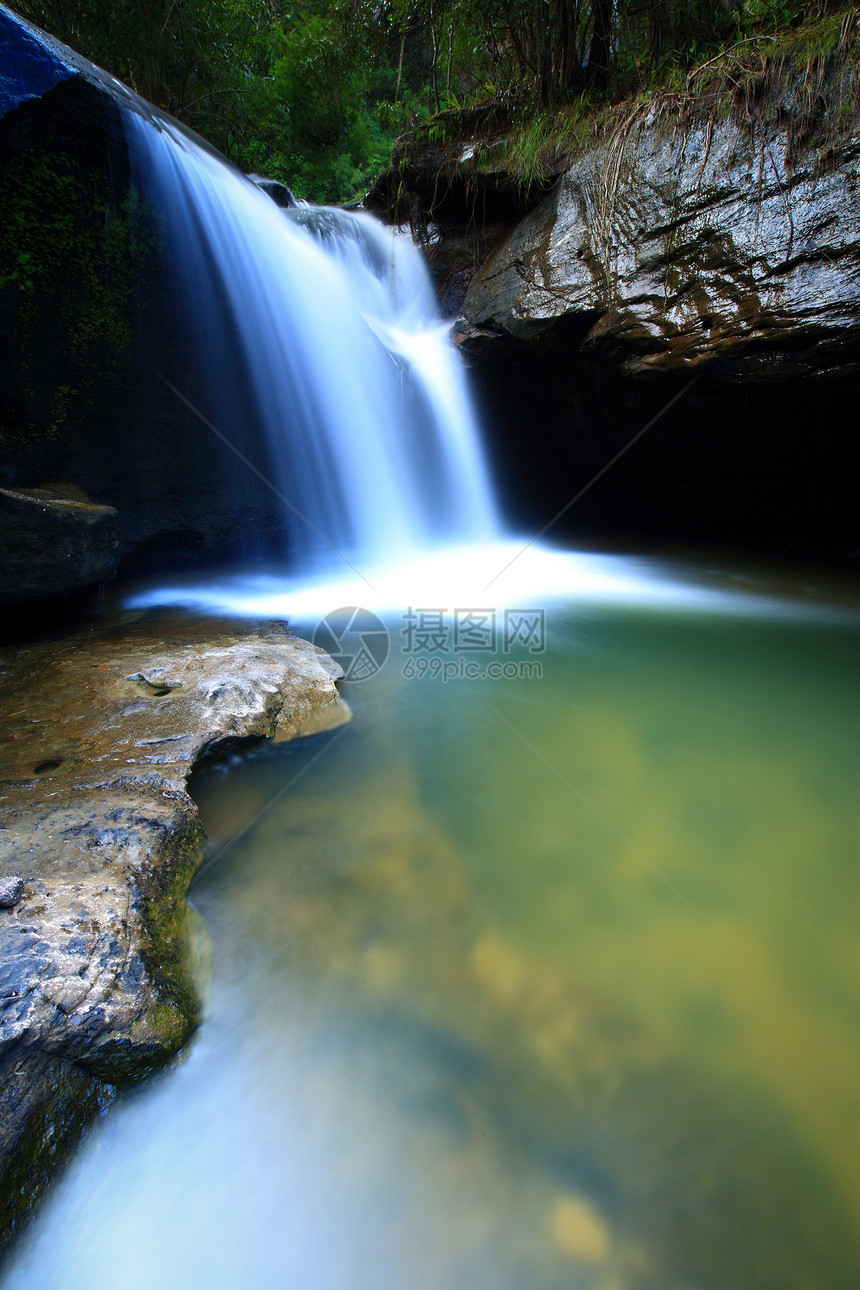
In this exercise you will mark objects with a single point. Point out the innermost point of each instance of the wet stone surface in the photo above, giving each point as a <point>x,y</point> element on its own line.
<point>11,890</point>
<point>674,248</point>
<point>99,839</point>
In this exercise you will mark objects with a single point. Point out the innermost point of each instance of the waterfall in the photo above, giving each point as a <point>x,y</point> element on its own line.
<point>324,325</point>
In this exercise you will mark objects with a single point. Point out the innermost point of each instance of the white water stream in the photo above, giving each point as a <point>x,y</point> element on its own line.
<point>323,326</point>
<point>326,324</point>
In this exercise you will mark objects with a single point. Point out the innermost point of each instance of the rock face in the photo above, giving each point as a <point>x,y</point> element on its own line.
<point>91,327</point>
<point>458,197</point>
<point>99,842</point>
<point>673,250</point>
<point>53,540</point>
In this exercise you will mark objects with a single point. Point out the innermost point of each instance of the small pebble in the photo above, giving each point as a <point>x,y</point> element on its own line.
<point>11,891</point>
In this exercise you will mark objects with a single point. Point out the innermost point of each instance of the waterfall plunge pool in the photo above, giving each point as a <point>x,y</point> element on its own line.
<point>543,977</point>
<point>545,982</point>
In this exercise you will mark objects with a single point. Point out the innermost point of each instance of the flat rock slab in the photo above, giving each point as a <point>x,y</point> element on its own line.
<point>98,843</point>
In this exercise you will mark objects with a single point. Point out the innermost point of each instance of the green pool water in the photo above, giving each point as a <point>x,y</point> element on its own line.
<point>527,983</point>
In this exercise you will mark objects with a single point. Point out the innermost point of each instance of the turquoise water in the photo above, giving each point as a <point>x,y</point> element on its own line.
<point>542,982</point>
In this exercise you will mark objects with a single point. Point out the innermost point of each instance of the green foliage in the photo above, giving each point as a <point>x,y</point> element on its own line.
<point>303,92</point>
<point>196,58</point>
<point>315,92</point>
<point>318,126</point>
<point>539,142</point>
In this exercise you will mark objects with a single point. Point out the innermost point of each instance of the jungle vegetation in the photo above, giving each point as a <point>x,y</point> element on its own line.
<point>315,92</point>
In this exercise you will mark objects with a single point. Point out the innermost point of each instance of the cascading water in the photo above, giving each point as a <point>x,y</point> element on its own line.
<point>458,1034</point>
<point>322,326</point>
<point>326,324</point>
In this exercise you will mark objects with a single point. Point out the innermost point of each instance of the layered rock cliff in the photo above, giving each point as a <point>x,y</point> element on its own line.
<point>682,248</point>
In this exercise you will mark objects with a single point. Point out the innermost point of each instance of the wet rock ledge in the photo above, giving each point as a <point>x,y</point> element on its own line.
<point>99,841</point>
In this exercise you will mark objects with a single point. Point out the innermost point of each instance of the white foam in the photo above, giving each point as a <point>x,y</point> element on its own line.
<point>497,575</point>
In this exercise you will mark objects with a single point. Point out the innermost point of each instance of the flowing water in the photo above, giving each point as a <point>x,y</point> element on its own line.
<point>545,981</point>
<point>323,328</point>
<point>543,971</point>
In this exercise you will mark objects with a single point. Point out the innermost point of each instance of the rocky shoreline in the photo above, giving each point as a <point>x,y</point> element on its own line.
<point>100,839</point>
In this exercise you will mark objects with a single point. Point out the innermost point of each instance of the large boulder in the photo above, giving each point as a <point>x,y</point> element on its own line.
<point>667,343</point>
<point>98,844</point>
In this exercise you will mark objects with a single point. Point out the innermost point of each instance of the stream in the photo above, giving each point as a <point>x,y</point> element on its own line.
<point>543,981</point>
<point>542,973</point>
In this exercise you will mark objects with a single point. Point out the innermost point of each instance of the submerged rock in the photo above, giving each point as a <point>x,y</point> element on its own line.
<point>579,1145</point>
<point>102,731</point>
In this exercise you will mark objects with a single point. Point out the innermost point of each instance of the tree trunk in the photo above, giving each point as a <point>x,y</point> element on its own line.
<point>567,69</point>
<point>543,52</point>
<point>600,51</point>
<point>399,66</point>
<point>655,51</point>
<point>433,79</point>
